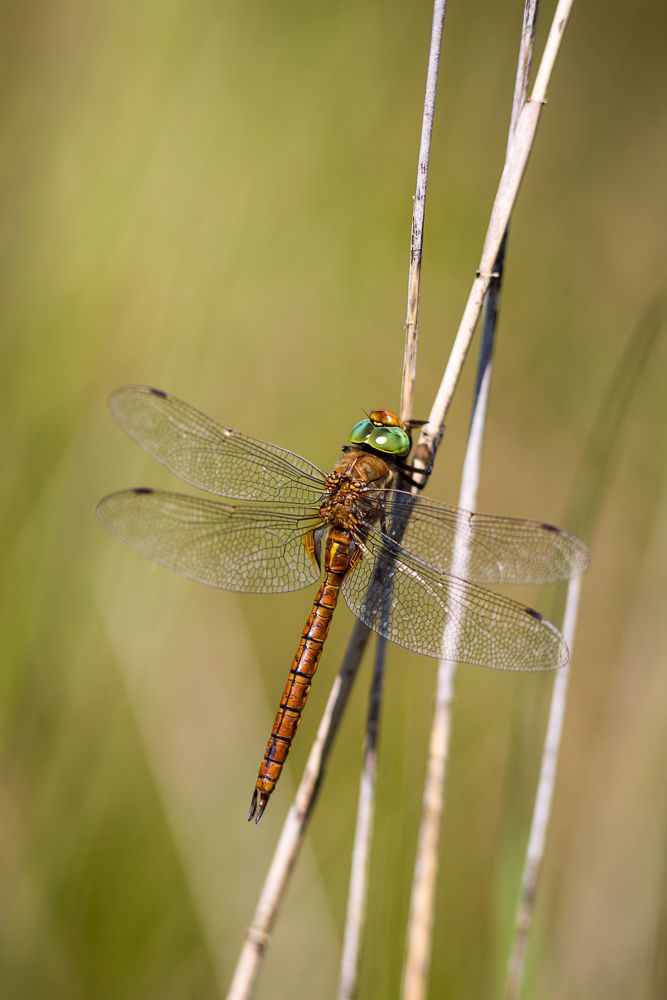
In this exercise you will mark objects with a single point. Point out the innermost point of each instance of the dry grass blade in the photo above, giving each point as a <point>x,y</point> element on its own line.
<point>544,797</point>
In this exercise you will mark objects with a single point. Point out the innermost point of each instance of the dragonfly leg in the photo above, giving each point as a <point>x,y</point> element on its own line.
<point>419,483</point>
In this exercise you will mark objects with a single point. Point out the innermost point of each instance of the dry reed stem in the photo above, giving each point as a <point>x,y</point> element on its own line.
<point>513,171</point>
<point>422,902</point>
<point>418,207</point>
<point>355,918</point>
<point>543,800</point>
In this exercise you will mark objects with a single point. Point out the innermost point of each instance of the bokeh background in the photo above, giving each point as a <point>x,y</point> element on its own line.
<point>215,198</point>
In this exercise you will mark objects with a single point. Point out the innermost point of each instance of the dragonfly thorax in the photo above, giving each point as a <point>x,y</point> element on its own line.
<point>350,497</point>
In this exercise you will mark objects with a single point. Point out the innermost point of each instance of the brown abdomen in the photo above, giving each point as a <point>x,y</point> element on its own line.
<point>296,691</point>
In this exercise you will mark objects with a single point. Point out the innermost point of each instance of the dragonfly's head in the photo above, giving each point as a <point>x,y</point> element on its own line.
<point>382,431</point>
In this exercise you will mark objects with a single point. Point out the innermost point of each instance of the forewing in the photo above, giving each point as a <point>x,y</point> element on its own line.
<point>444,616</point>
<point>254,548</point>
<point>486,548</point>
<point>208,455</point>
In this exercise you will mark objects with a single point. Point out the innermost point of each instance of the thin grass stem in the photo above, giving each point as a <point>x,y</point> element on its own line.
<point>355,919</point>
<point>418,209</point>
<point>543,800</point>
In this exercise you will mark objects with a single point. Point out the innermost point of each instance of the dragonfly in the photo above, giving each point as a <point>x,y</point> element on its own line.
<point>412,569</point>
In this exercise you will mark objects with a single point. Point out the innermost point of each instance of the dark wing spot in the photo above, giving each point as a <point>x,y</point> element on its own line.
<point>143,489</point>
<point>158,392</point>
<point>534,614</point>
<point>550,527</point>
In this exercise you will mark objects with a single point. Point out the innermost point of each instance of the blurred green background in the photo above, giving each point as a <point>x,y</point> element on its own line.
<point>215,198</point>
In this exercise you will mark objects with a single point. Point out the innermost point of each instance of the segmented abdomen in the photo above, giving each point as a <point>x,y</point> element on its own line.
<point>304,665</point>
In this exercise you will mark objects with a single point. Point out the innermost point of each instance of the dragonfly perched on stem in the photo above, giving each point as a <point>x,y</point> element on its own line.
<point>286,524</point>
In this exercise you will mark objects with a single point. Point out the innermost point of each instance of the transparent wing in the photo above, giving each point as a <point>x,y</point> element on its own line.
<point>253,548</point>
<point>214,458</point>
<point>443,616</point>
<point>495,549</point>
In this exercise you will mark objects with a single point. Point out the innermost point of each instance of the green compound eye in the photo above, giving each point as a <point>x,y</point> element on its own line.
<point>361,432</point>
<point>391,440</point>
